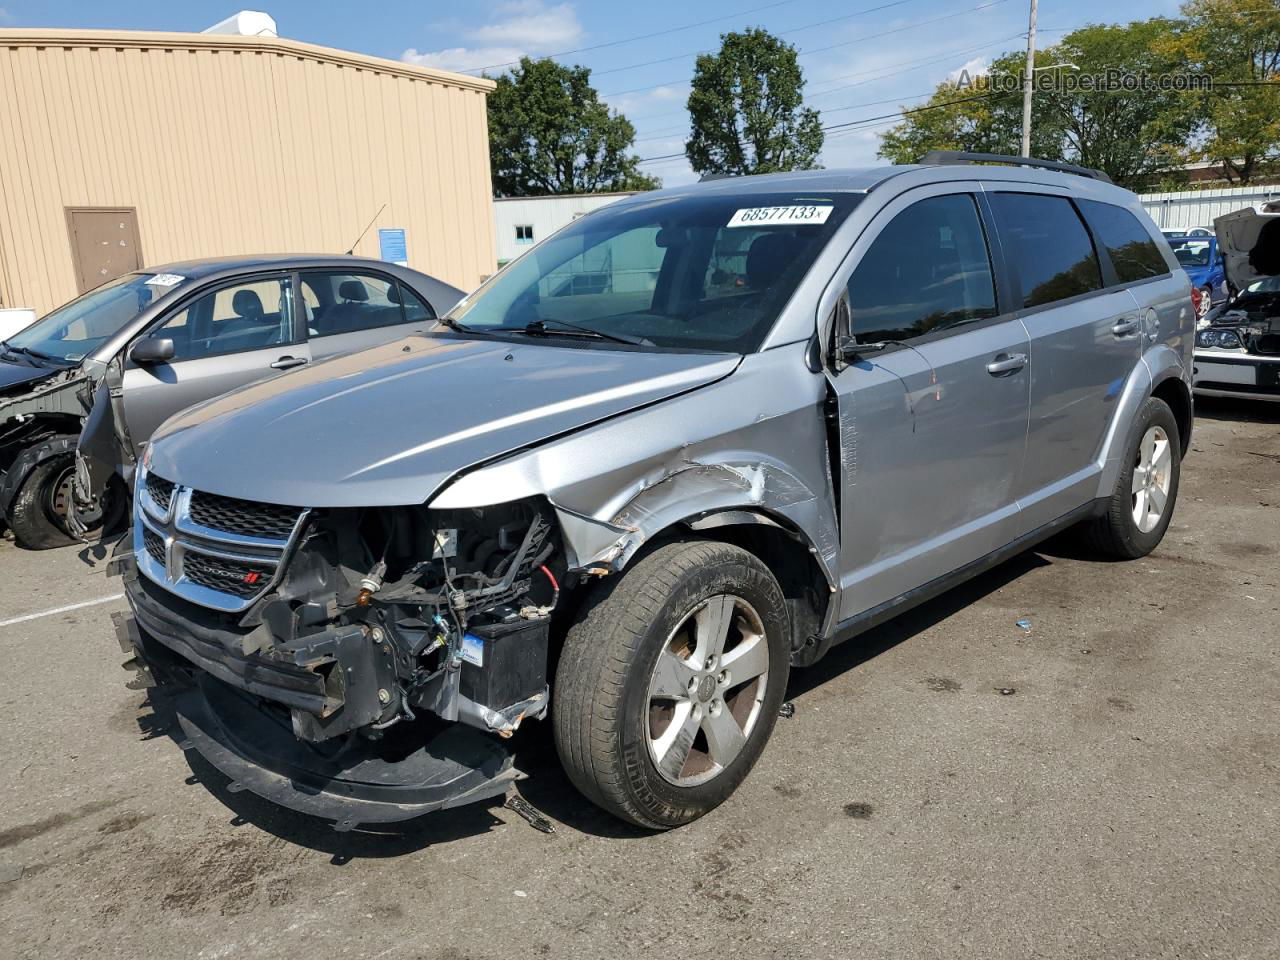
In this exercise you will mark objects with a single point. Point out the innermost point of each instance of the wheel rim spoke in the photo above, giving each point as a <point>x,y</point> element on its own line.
<point>1140,507</point>
<point>725,738</point>
<point>671,749</point>
<point>748,660</point>
<point>1147,452</point>
<point>1156,498</point>
<point>671,677</point>
<point>712,624</point>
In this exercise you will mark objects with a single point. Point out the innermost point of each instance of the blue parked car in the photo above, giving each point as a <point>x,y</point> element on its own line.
<point>1200,258</point>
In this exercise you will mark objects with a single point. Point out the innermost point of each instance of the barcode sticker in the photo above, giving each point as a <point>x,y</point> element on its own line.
<point>768,216</point>
<point>165,280</point>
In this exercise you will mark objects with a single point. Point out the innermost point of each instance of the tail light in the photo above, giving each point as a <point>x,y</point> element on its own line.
<point>1196,297</point>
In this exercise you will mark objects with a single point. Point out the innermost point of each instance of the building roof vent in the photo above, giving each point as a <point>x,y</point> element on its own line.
<point>246,23</point>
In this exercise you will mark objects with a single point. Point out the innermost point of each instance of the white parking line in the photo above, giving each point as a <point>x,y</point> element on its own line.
<point>56,610</point>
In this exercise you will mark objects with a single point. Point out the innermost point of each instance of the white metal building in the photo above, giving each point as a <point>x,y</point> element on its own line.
<point>524,221</point>
<point>1198,208</point>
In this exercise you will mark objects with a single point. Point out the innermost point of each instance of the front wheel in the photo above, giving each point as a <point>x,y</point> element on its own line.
<point>38,515</point>
<point>670,682</point>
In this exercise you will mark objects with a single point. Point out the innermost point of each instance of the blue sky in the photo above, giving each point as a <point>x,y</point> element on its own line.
<point>860,62</point>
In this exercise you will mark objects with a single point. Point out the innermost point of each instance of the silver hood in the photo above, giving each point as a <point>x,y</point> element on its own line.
<point>389,425</point>
<point>1244,259</point>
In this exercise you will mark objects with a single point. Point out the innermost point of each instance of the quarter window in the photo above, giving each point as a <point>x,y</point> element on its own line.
<point>1133,253</point>
<point>1047,245</point>
<point>928,270</point>
<point>246,316</point>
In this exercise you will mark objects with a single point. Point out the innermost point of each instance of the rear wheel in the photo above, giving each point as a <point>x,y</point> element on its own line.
<point>40,509</point>
<point>670,682</point>
<point>1140,508</point>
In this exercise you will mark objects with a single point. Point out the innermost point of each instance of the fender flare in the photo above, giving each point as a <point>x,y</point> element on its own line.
<point>27,461</point>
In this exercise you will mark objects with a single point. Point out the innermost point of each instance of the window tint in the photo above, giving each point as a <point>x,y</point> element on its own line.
<point>247,316</point>
<point>1047,245</point>
<point>927,270</point>
<point>346,302</point>
<point>1133,253</point>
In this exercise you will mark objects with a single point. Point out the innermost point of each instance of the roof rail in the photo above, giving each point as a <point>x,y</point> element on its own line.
<point>960,156</point>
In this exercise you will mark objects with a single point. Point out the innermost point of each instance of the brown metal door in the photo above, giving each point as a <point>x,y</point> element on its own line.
<point>104,243</point>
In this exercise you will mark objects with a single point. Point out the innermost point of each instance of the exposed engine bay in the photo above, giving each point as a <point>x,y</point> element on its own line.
<point>1253,318</point>
<point>376,622</point>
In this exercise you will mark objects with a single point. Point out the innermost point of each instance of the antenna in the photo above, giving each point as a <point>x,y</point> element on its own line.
<point>366,229</point>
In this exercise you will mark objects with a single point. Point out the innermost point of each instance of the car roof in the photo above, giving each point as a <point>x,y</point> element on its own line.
<point>207,267</point>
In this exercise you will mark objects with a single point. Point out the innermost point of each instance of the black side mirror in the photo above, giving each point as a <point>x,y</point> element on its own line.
<point>152,350</point>
<point>846,349</point>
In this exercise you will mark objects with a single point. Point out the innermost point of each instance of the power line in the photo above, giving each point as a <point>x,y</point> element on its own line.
<point>643,36</point>
<point>846,43</point>
<point>865,120</point>
<point>780,33</point>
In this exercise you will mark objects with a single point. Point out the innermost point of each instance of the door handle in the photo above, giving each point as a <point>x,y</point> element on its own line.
<point>1124,328</point>
<point>288,363</point>
<point>1006,363</point>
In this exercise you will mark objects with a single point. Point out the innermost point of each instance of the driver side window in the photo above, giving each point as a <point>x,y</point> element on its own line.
<point>247,316</point>
<point>929,269</point>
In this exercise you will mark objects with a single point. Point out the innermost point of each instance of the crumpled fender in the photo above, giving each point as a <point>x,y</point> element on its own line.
<point>754,443</point>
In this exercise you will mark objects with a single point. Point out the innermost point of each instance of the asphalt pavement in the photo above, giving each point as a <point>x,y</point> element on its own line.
<point>1104,784</point>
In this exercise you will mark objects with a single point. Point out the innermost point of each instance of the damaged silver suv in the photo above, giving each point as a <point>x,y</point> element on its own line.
<point>690,441</point>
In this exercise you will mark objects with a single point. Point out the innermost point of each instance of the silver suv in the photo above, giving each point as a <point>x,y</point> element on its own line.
<point>687,443</point>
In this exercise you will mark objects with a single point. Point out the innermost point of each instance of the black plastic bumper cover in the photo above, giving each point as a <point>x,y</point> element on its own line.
<point>259,752</point>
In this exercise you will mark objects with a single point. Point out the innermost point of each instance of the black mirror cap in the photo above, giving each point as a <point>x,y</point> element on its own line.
<point>152,350</point>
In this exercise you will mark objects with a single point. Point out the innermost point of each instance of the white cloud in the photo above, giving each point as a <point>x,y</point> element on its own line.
<point>977,67</point>
<point>518,28</point>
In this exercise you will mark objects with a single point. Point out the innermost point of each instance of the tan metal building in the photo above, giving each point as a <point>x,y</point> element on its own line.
<point>120,149</point>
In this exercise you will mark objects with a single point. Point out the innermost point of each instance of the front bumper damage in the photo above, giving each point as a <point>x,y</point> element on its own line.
<point>340,720</point>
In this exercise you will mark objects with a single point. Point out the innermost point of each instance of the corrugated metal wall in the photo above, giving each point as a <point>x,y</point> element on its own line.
<point>545,214</point>
<point>229,145</point>
<point>1198,208</point>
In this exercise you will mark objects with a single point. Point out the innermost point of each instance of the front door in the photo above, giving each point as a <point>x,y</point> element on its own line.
<point>224,338</point>
<point>104,244</point>
<point>933,419</point>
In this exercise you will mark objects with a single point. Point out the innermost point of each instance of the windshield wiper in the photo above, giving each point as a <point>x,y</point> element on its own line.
<point>539,328</point>
<point>453,324</point>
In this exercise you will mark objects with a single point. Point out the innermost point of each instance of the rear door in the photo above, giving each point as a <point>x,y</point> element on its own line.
<point>224,337</point>
<point>933,426</point>
<point>1085,341</point>
<point>346,311</point>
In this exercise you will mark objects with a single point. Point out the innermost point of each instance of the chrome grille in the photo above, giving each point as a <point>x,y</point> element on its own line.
<point>243,517</point>
<point>220,552</point>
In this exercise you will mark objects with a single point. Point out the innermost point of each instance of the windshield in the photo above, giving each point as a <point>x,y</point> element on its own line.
<point>75,330</point>
<point>1192,253</point>
<point>702,272</point>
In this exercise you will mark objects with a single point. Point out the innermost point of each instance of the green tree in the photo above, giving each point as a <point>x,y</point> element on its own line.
<point>746,109</point>
<point>1237,42</point>
<point>550,133</point>
<point>1135,136</point>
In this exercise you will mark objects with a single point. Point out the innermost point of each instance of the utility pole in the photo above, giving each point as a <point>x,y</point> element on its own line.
<point>1028,81</point>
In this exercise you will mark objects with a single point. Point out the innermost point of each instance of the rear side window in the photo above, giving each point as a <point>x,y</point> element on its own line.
<point>1133,253</point>
<point>346,302</point>
<point>927,270</point>
<point>1047,245</point>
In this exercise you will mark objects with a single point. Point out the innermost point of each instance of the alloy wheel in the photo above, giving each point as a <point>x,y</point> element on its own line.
<point>1152,476</point>
<point>707,689</point>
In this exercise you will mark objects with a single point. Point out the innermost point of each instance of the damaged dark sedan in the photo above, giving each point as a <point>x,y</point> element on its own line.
<point>104,370</point>
<point>694,439</point>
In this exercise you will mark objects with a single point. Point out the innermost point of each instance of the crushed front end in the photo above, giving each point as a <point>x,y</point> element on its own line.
<point>363,665</point>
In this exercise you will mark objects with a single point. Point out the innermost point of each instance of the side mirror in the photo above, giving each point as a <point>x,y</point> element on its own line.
<point>150,350</point>
<point>846,349</point>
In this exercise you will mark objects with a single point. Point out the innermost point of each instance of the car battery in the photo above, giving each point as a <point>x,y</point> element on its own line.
<point>504,662</point>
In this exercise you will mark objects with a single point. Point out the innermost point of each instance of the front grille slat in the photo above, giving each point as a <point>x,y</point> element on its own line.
<point>243,517</point>
<point>154,545</point>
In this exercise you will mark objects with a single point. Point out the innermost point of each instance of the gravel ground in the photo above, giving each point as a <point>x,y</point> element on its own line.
<point>1122,802</point>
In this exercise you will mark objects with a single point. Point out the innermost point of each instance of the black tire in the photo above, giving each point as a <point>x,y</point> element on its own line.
<point>1116,533</point>
<point>601,708</point>
<point>33,515</point>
